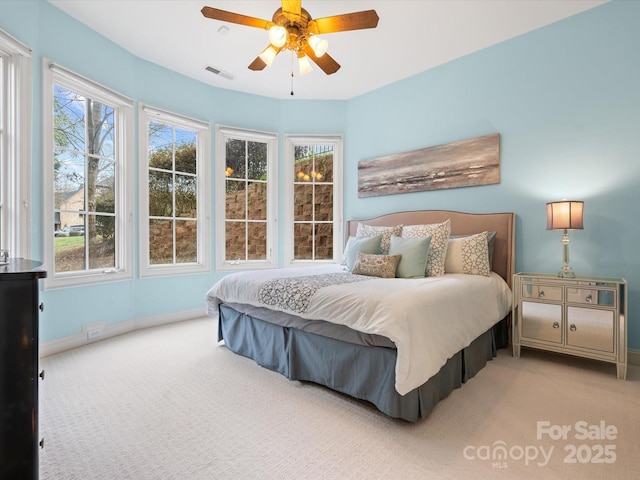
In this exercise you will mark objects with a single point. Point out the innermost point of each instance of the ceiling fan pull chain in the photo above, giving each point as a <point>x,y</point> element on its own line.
<point>291,72</point>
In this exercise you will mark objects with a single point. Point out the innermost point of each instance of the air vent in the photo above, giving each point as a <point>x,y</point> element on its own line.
<point>219,72</point>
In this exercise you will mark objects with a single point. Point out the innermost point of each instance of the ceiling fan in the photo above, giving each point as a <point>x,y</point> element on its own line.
<point>292,28</point>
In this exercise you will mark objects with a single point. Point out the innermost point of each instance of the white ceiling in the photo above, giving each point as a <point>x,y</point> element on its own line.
<point>412,36</point>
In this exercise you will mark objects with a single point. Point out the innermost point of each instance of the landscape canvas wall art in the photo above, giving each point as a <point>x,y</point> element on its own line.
<point>464,163</point>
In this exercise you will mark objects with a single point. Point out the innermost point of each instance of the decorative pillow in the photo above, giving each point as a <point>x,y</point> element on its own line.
<point>491,240</point>
<point>439,233</point>
<point>355,245</point>
<point>413,255</point>
<point>386,232</point>
<point>469,255</point>
<point>383,266</point>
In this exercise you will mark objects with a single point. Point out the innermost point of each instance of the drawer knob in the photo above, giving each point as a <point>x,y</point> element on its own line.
<point>589,298</point>
<point>556,325</point>
<point>541,294</point>
<point>572,327</point>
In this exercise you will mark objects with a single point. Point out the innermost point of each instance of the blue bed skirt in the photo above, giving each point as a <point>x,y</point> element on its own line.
<point>361,371</point>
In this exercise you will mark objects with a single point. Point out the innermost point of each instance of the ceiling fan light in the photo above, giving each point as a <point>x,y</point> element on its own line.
<point>268,54</point>
<point>304,65</point>
<point>319,45</point>
<point>277,36</point>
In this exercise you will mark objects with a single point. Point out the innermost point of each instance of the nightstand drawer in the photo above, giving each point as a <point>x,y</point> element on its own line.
<point>542,292</point>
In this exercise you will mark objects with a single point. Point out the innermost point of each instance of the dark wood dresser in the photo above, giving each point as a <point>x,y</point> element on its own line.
<point>19,309</point>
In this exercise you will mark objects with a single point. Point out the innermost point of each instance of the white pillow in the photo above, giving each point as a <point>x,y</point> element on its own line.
<point>468,255</point>
<point>439,233</point>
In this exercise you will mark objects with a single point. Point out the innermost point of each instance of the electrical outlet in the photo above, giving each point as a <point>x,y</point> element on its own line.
<point>94,333</point>
<point>93,330</point>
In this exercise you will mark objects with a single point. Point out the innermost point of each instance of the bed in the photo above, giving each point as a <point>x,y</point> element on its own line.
<point>404,352</point>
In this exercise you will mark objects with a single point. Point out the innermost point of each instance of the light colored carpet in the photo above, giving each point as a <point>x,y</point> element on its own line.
<point>170,403</point>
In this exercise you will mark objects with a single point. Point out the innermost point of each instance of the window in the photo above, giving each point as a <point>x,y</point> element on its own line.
<point>88,158</point>
<point>246,199</point>
<point>15,146</point>
<point>174,193</point>
<point>314,199</point>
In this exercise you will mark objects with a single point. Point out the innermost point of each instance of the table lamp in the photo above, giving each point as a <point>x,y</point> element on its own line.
<point>565,215</point>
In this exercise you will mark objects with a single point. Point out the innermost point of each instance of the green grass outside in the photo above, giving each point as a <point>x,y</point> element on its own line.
<point>62,243</point>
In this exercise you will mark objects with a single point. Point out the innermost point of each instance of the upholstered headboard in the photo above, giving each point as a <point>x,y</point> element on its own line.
<point>461,224</point>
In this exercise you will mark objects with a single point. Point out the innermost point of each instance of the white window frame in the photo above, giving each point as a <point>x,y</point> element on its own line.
<point>15,145</point>
<point>146,114</point>
<point>53,73</point>
<point>292,141</point>
<point>271,139</point>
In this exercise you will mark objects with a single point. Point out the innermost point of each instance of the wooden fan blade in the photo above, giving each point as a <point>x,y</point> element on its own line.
<point>325,62</point>
<point>257,64</point>
<point>343,23</point>
<point>224,16</point>
<point>292,6</point>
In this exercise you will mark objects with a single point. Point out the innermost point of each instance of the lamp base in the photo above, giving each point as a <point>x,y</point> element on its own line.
<point>566,272</point>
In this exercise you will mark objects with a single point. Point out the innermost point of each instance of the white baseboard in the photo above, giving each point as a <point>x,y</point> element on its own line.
<point>80,339</point>
<point>633,357</point>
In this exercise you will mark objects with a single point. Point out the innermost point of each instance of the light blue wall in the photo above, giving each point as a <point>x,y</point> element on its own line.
<point>565,100</point>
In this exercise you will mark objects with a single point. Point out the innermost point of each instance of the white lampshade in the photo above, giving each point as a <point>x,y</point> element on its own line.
<point>319,45</point>
<point>268,54</point>
<point>277,36</point>
<point>565,215</point>
<point>304,65</point>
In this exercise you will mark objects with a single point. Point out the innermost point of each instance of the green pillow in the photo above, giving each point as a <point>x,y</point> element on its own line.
<point>364,245</point>
<point>414,251</point>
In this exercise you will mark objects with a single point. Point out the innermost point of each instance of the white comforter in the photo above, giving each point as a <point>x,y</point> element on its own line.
<point>428,319</point>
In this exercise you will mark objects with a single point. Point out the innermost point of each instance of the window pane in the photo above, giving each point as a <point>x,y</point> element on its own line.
<point>160,146</point>
<point>257,200</point>
<point>235,241</point>
<point>303,203</point>
<point>101,238</point>
<point>257,247</point>
<point>186,241</point>
<point>323,164</point>
<point>105,188</point>
<point>68,111</point>
<point>235,158</point>
<point>106,231</point>
<point>324,241</point>
<point>69,252</point>
<point>257,161</point>
<point>303,241</point>
<point>160,242</point>
<point>68,180</point>
<point>186,196</point>
<point>100,121</point>
<point>235,205</point>
<point>323,203</point>
<point>160,194</point>
<point>186,151</point>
